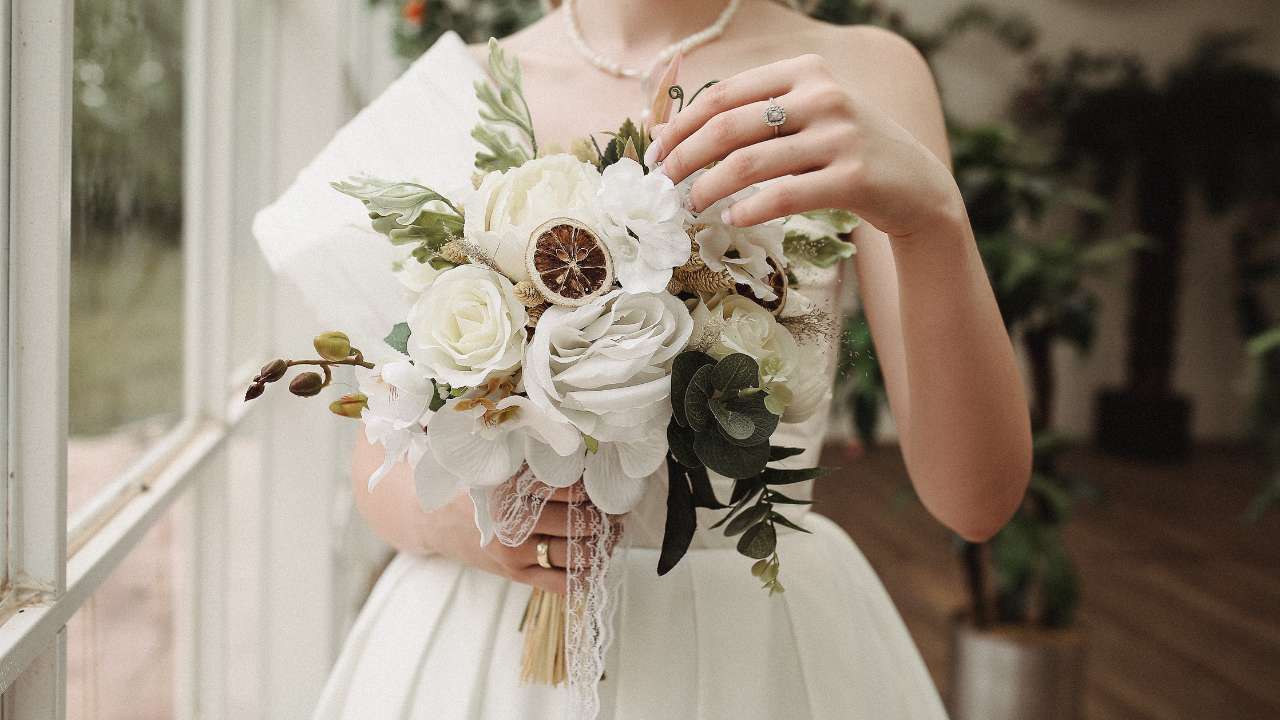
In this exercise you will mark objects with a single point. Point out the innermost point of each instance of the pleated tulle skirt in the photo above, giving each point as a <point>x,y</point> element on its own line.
<point>439,640</point>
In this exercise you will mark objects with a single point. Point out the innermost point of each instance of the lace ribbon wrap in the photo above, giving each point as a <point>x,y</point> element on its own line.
<point>515,507</point>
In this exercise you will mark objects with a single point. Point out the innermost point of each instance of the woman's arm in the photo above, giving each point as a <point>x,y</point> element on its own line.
<point>880,152</point>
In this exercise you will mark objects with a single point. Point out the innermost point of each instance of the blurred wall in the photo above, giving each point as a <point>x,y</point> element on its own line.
<point>976,77</point>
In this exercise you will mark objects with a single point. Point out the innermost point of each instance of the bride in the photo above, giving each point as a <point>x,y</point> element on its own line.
<point>863,132</point>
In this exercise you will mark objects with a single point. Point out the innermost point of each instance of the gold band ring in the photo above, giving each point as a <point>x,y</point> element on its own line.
<point>544,552</point>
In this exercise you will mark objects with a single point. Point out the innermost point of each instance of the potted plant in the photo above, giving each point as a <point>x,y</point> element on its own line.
<point>1208,125</point>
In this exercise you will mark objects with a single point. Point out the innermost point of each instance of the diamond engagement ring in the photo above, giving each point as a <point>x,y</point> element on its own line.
<point>544,553</point>
<point>774,116</point>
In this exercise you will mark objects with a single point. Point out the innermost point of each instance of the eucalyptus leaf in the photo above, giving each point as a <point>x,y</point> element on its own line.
<point>696,397</point>
<point>680,444</point>
<point>732,461</point>
<point>682,370</point>
<point>759,542</point>
<point>738,426</point>
<point>704,495</point>
<point>398,338</point>
<point>735,372</point>
<point>749,517</point>
<point>778,452</point>
<point>777,497</point>
<point>781,519</point>
<point>777,476</point>
<point>682,519</point>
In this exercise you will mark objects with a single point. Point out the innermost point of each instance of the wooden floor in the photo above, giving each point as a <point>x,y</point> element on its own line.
<point>1181,602</point>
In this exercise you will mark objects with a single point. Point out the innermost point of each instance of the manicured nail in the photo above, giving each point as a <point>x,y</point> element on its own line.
<point>651,155</point>
<point>726,217</point>
<point>688,204</point>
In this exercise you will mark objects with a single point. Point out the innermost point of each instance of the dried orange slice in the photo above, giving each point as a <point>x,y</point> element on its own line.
<point>568,263</point>
<point>777,281</point>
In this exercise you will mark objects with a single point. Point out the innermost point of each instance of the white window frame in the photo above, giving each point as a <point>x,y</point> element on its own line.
<point>261,487</point>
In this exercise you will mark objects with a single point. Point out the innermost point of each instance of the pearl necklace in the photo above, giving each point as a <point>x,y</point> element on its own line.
<point>702,37</point>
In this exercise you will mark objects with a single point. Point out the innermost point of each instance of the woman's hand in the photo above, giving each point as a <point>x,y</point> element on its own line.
<point>841,151</point>
<point>451,531</point>
<point>393,511</point>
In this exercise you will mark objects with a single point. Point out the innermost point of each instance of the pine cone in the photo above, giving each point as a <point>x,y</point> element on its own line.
<point>694,263</point>
<point>706,281</point>
<point>535,313</point>
<point>528,294</point>
<point>453,252</point>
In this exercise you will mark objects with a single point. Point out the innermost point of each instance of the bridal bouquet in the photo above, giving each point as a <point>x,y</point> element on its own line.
<point>571,322</point>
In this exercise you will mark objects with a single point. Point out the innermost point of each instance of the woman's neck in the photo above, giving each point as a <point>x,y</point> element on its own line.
<point>632,31</point>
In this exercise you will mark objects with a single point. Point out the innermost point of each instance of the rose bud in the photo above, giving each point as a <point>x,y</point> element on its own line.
<point>307,384</point>
<point>254,391</point>
<point>349,405</point>
<point>333,345</point>
<point>273,371</point>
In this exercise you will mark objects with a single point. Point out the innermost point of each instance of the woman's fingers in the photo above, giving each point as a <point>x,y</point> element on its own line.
<point>788,196</point>
<point>749,86</point>
<point>555,580</point>
<point>753,164</point>
<point>738,127</point>
<point>574,492</point>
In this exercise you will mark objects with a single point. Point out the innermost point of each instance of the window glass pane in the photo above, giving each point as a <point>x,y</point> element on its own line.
<point>126,254</point>
<point>120,645</point>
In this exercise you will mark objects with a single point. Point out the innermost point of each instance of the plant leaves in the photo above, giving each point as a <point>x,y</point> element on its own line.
<point>737,425</point>
<point>680,444</point>
<point>682,518</point>
<point>776,476</point>
<point>777,497</point>
<point>759,542</point>
<point>696,396</point>
<point>682,369</point>
<point>503,107</point>
<point>763,421</point>
<point>777,452</point>
<point>732,461</point>
<point>735,372</point>
<point>781,519</point>
<point>749,517</point>
<point>704,495</point>
<point>398,338</point>
<point>403,200</point>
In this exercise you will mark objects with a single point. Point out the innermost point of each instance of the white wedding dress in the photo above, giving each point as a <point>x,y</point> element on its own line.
<point>439,640</point>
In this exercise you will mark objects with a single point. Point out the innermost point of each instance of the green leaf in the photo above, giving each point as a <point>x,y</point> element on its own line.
<point>704,495</point>
<point>696,397</point>
<point>1265,343</point>
<point>398,338</point>
<point>777,497</point>
<point>503,109</point>
<point>816,237</point>
<point>682,370</point>
<point>751,516</point>
<point>403,200</point>
<point>738,426</point>
<point>680,443</point>
<point>763,421</point>
<point>439,393</point>
<point>593,445</point>
<point>758,567</point>
<point>781,519</point>
<point>745,488</point>
<point>759,542</point>
<point>682,519</point>
<point>777,476</point>
<point>777,452</point>
<point>733,461</point>
<point>735,372</point>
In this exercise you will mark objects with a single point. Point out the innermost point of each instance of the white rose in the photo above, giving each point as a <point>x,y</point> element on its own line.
<point>730,324</point>
<point>605,368</point>
<point>645,228</point>
<point>508,206</point>
<point>416,276</point>
<point>743,252</point>
<point>467,326</point>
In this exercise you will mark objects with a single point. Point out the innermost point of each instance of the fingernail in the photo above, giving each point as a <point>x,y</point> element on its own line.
<point>726,217</point>
<point>688,203</point>
<point>651,155</point>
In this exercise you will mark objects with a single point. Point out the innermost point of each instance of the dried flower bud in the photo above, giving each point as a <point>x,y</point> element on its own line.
<point>454,253</point>
<point>273,371</point>
<point>254,391</point>
<point>333,345</point>
<point>350,405</point>
<point>674,286</point>
<point>707,281</point>
<point>307,384</point>
<point>534,313</point>
<point>528,294</point>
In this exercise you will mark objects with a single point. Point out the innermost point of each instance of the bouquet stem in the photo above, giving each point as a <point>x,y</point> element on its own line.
<point>543,626</point>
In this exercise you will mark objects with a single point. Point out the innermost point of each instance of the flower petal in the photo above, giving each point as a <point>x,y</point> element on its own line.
<point>608,486</point>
